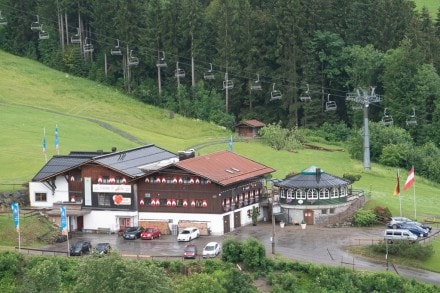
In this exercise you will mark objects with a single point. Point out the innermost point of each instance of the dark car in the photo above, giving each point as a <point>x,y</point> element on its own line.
<point>132,233</point>
<point>417,230</point>
<point>80,248</point>
<point>190,251</point>
<point>150,233</point>
<point>102,248</point>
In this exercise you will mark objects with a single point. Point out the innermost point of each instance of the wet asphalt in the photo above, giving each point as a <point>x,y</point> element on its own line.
<point>327,246</point>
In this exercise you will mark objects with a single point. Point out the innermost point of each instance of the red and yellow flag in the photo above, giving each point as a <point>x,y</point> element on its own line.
<point>397,188</point>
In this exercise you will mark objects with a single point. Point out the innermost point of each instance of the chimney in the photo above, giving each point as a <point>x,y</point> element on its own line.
<point>318,174</point>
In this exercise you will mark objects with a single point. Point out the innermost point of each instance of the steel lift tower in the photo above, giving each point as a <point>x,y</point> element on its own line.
<point>365,97</point>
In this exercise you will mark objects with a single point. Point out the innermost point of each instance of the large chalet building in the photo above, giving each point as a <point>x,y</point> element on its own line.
<point>150,186</point>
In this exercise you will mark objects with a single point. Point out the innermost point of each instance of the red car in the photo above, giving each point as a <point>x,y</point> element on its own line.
<point>190,251</point>
<point>150,233</point>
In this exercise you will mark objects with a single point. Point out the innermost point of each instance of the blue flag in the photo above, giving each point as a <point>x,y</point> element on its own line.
<point>44,142</point>
<point>63,220</point>
<point>57,145</point>
<point>16,216</point>
<point>230,143</point>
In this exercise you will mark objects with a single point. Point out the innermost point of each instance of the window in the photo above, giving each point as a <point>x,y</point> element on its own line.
<point>332,211</point>
<point>283,193</point>
<point>104,200</point>
<point>312,193</point>
<point>324,211</point>
<point>300,194</point>
<point>40,196</point>
<point>324,193</point>
<point>335,192</point>
<point>289,195</point>
<point>343,191</point>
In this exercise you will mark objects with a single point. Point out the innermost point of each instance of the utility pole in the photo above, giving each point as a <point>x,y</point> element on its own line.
<point>365,97</point>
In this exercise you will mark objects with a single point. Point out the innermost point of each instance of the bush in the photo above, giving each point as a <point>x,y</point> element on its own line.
<point>405,249</point>
<point>231,250</point>
<point>352,177</point>
<point>253,254</point>
<point>364,218</point>
<point>382,214</point>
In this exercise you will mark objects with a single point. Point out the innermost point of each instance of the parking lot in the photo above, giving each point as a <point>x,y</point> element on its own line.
<point>315,244</point>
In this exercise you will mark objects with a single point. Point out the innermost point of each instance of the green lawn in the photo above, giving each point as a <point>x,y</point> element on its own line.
<point>431,5</point>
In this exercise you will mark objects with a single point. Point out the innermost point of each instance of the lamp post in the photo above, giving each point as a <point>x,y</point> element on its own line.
<point>275,209</point>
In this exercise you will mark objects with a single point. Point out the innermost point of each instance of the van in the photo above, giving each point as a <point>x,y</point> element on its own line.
<point>391,235</point>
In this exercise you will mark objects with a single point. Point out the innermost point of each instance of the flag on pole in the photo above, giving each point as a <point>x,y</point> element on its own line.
<point>44,141</point>
<point>57,145</point>
<point>397,187</point>
<point>16,216</point>
<point>410,180</point>
<point>230,144</point>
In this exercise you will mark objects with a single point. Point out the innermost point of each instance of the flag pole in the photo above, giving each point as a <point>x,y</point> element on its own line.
<point>44,144</point>
<point>400,198</point>
<point>415,210</point>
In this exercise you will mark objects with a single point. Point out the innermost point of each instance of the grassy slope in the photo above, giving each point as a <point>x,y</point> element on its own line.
<point>431,5</point>
<point>33,97</point>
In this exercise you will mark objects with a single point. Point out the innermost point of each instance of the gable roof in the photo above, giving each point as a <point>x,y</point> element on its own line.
<point>127,162</point>
<point>251,123</point>
<point>224,167</point>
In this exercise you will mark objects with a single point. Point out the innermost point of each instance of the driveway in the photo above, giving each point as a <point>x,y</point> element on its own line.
<point>327,246</point>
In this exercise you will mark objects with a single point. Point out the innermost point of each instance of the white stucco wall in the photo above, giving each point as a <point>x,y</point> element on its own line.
<point>61,193</point>
<point>108,219</point>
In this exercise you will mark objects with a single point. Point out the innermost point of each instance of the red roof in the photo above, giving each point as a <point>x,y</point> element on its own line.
<point>252,123</point>
<point>224,167</point>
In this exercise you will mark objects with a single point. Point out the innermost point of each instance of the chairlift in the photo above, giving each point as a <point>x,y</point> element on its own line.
<point>88,47</point>
<point>387,120</point>
<point>116,50</point>
<point>42,35</point>
<point>179,72</point>
<point>275,94</point>
<point>36,26</point>
<point>209,75</point>
<point>132,60</point>
<point>161,60</point>
<point>76,39</point>
<point>330,105</point>
<point>305,97</point>
<point>3,20</point>
<point>256,86</point>
<point>412,120</point>
<point>227,83</point>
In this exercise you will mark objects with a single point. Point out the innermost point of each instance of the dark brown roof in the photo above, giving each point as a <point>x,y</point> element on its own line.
<point>224,167</point>
<point>251,123</point>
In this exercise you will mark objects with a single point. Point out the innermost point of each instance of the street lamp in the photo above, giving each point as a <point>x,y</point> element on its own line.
<point>275,210</point>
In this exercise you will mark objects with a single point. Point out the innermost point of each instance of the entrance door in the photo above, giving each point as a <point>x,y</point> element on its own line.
<point>226,224</point>
<point>237,219</point>
<point>309,217</point>
<point>80,223</point>
<point>124,223</point>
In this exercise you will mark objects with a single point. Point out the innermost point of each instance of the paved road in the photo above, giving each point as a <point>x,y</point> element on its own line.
<point>315,244</point>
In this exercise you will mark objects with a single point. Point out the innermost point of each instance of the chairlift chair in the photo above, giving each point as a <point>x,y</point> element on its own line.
<point>76,38</point>
<point>412,120</point>
<point>179,72</point>
<point>42,35</point>
<point>209,75</point>
<point>275,94</point>
<point>305,97</point>
<point>227,83</point>
<point>387,120</point>
<point>36,26</point>
<point>3,20</point>
<point>116,50</point>
<point>330,105</point>
<point>256,86</point>
<point>161,60</point>
<point>88,47</point>
<point>132,60</point>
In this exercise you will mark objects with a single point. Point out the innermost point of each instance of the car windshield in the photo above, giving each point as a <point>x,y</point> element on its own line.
<point>185,232</point>
<point>101,246</point>
<point>131,229</point>
<point>77,245</point>
<point>149,230</point>
<point>209,248</point>
<point>190,248</point>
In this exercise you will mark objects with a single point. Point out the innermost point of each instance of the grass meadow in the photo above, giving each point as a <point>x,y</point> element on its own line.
<point>92,117</point>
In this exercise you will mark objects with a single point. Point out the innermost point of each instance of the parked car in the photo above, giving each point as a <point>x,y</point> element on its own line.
<point>391,235</point>
<point>212,249</point>
<point>417,230</point>
<point>150,233</point>
<point>102,248</point>
<point>80,248</point>
<point>190,251</point>
<point>188,234</point>
<point>132,233</point>
<point>394,221</point>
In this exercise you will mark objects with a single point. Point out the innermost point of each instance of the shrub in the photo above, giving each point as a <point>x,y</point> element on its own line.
<point>231,250</point>
<point>253,253</point>
<point>405,249</point>
<point>364,218</point>
<point>382,214</point>
<point>352,177</point>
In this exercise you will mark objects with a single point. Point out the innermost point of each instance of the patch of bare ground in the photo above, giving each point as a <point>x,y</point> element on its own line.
<point>261,285</point>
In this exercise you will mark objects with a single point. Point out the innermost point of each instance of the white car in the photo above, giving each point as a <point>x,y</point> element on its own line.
<point>188,234</point>
<point>212,249</point>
